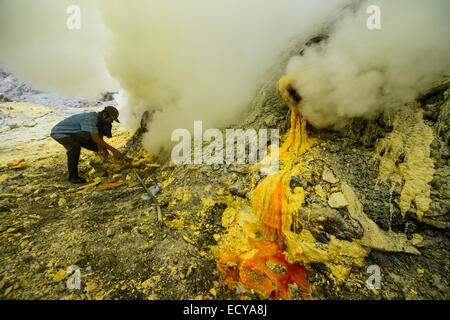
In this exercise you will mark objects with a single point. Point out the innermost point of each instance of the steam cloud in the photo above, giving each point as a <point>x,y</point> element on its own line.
<point>188,59</point>
<point>360,72</point>
<point>204,59</point>
<point>37,46</point>
<point>199,60</point>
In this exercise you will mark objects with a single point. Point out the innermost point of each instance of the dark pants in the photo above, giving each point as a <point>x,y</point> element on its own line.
<point>73,144</point>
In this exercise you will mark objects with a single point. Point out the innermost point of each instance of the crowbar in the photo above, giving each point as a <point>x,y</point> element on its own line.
<point>158,209</point>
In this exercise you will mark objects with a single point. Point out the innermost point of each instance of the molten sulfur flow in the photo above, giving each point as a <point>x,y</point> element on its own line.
<point>256,259</point>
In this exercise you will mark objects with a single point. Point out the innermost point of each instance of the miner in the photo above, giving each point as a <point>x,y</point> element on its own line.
<point>86,130</point>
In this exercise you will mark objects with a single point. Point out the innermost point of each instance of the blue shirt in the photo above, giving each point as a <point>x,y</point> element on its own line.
<point>76,123</point>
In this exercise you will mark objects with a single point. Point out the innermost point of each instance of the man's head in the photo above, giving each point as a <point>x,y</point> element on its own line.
<point>110,114</point>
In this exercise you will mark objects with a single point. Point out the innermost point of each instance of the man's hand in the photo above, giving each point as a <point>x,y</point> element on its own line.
<point>103,145</point>
<point>103,153</point>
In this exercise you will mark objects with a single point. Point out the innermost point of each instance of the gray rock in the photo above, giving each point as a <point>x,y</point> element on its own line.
<point>297,182</point>
<point>277,268</point>
<point>61,202</point>
<point>30,125</point>
<point>238,189</point>
<point>4,99</point>
<point>293,288</point>
<point>271,120</point>
<point>334,223</point>
<point>14,126</point>
<point>437,281</point>
<point>240,289</point>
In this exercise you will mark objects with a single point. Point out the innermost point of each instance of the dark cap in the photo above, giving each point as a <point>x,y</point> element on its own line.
<point>112,112</point>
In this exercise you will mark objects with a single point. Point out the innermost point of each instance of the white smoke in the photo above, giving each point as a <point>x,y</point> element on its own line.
<point>360,72</point>
<point>188,59</point>
<point>37,45</point>
<point>199,59</point>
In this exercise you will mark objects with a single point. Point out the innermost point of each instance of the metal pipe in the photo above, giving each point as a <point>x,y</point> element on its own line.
<point>158,209</point>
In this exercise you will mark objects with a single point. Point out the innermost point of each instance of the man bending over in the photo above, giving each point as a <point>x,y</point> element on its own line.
<point>86,130</point>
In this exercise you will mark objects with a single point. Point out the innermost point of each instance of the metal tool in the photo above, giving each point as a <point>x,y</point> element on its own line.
<point>158,209</point>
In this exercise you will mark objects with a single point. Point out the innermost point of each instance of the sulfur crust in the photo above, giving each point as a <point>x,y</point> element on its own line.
<point>411,138</point>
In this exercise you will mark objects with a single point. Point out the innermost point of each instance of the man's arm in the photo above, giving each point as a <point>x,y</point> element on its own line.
<point>103,145</point>
<point>102,151</point>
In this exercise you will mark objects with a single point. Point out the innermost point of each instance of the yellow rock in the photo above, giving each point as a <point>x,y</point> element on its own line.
<point>153,296</point>
<point>188,240</point>
<point>90,286</point>
<point>2,283</point>
<point>228,217</point>
<point>337,200</point>
<point>96,181</point>
<point>328,176</point>
<point>319,191</point>
<point>60,275</point>
<point>24,243</point>
<point>4,177</point>
<point>189,271</point>
<point>7,291</point>
<point>146,283</point>
<point>168,182</point>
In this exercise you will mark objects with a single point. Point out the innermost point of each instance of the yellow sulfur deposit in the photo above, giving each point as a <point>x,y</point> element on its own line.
<point>297,139</point>
<point>251,253</point>
<point>410,140</point>
<point>60,275</point>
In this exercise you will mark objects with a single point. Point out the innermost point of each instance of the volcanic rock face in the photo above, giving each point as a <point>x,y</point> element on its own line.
<point>335,224</point>
<point>332,222</point>
<point>411,146</point>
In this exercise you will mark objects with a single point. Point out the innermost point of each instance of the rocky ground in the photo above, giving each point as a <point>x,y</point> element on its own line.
<point>109,229</point>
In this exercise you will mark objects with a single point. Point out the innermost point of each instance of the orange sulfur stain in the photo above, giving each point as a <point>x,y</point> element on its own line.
<point>264,268</point>
<point>272,217</point>
<point>110,185</point>
<point>15,163</point>
<point>256,273</point>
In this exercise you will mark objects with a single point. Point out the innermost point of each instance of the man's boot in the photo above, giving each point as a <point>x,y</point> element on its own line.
<point>73,156</point>
<point>77,180</point>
